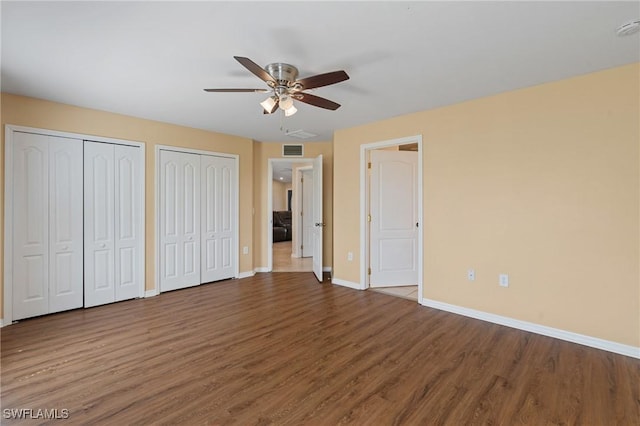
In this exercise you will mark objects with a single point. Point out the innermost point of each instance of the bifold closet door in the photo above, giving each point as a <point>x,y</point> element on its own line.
<point>218,218</point>
<point>47,232</point>
<point>113,244</point>
<point>179,220</point>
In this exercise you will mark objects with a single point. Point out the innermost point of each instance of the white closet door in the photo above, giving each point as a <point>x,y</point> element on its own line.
<point>217,218</point>
<point>31,226</point>
<point>65,224</point>
<point>99,234</point>
<point>128,222</point>
<point>179,220</point>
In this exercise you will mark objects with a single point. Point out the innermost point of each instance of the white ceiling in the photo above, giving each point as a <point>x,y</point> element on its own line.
<point>152,60</point>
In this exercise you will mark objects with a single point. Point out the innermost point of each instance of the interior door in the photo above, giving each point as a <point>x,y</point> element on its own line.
<point>99,236</point>
<point>65,224</point>
<point>217,218</point>
<point>179,220</point>
<point>128,222</point>
<point>30,226</point>
<point>308,223</point>
<point>318,222</point>
<point>394,218</point>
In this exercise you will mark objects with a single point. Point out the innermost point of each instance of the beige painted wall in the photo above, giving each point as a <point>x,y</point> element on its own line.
<point>541,184</point>
<point>262,152</point>
<point>279,197</point>
<point>37,113</point>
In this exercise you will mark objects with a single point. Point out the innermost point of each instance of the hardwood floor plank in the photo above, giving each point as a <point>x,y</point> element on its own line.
<point>282,348</point>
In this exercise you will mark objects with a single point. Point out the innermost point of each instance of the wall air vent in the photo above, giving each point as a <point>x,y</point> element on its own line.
<point>293,150</point>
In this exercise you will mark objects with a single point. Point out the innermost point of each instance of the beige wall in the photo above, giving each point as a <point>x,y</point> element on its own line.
<point>37,113</point>
<point>262,152</point>
<point>541,184</point>
<point>279,197</point>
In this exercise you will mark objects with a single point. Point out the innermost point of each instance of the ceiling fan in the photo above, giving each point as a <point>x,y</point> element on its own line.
<point>284,88</point>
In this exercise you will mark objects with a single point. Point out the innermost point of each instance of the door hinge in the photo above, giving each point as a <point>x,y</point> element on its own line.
<point>369,166</point>
<point>301,247</point>
<point>369,271</point>
<point>301,213</point>
<point>301,180</point>
<point>369,217</point>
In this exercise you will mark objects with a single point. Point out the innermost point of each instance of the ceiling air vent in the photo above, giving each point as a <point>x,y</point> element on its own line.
<point>300,134</point>
<point>292,150</point>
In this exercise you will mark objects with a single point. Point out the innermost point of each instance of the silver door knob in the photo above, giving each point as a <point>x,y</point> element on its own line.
<point>102,245</point>
<point>190,238</point>
<point>65,247</point>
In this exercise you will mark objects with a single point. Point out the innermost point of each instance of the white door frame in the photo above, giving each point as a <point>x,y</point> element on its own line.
<point>10,129</point>
<point>300,171</point>
<point>269,239</point>
<point>364,207</point>
<point>236,236</point>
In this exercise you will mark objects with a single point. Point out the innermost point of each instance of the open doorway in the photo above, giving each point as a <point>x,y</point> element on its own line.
<point>290,200</point>
<point>392,217</point>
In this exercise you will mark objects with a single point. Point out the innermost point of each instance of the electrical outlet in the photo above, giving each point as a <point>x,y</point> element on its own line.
<point>245,250</point>
<point>471,275</point>
<point>504,280</point>
<point>350,256</point>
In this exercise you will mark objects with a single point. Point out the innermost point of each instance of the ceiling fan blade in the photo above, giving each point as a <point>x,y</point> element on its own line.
<point>255,68</point>
<point>275,107</point>
<point>323,79</point>
<point>316,101</point>
<point>237,90</point>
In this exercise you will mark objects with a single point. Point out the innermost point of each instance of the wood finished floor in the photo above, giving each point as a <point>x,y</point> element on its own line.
<point>283,262</point>
<point>281,348</point>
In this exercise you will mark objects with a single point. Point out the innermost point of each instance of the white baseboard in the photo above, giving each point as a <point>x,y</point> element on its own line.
<point>1,322</point>
<point>261,269</point>
<point>326,269</point>
<point>345,283</point>
<point>246,274</point>
<point>151,293</point>
<point>568,336</point>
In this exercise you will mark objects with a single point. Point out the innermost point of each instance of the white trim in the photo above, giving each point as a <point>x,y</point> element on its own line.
<point>246,274</point>
<point>364,191</point>
<point>10,129</point>
<point>236,243</point>
<point>350,284</point>
<point>72,135</point>
<point>581,339</point>
<point>261,269</point>
<point>151,293</point>
<point>326,269</point>
<point>1,323</point>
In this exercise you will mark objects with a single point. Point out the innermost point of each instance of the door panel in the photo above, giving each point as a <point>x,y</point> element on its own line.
<point>128,222</point>
<point>65,224</point>
<point>191,220</point>
<point>99,237</point>
<point>317,217</point>
<point>394,215</point>
<point>31,225</point>
<point>218,218</point>
<point>179,220</point>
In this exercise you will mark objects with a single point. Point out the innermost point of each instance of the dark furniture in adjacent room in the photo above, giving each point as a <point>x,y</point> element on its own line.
<point>281,226</point>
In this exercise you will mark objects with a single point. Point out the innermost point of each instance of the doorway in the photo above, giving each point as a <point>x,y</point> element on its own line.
<point>391,217</point>
<point>293,233</point>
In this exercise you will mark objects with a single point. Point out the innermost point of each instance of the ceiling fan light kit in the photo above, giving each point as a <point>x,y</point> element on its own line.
<point>284,88</point>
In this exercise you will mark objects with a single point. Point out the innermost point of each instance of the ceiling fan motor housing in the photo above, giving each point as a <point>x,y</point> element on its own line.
<point>284,74</point>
